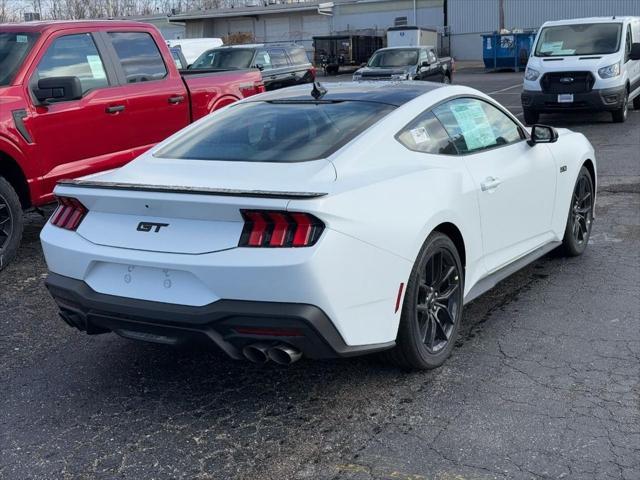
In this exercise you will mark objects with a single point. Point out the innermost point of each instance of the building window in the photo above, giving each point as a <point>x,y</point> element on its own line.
<point>400,22</point>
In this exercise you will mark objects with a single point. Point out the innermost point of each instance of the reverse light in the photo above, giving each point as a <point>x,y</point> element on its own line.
<point>278,229</point>
<point>69,214</point>
<point>610,72</point>
<point>531,74</point>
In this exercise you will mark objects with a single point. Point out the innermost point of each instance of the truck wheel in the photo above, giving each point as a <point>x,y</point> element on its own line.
<point>531,117</point>
<point>620,115</point>
<point>11,223</point>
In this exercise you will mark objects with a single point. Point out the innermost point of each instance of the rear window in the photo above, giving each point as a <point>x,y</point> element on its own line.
<point>298,56</point>
<point>139,55</point>
<point>224,58</point>
<point>276,132</point>
<point>14,47</point>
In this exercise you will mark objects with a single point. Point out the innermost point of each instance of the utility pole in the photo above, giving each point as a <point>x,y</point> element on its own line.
<point>501,7</point>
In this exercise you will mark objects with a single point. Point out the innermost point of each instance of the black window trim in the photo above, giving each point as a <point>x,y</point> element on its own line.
<point>524,134</point>
<point>628,41</point>
<point>112,77</point>
<point>122,77</point>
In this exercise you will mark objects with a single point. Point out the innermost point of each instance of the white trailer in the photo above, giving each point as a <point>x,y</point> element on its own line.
<point>411,37</point>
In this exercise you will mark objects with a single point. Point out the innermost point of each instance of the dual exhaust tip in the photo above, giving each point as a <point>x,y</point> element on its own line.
<point>280,353</point>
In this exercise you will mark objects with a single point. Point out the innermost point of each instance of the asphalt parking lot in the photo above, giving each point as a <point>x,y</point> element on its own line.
<point>544,382</point>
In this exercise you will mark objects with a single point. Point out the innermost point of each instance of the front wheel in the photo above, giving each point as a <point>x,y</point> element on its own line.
<point>11,223</point>
<point>432,308</point>
<point>620,115</point>
<point>580,219</point>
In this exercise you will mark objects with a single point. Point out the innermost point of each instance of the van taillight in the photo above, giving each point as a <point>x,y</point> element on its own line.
<point>276,229</point>
<point>69,214</point>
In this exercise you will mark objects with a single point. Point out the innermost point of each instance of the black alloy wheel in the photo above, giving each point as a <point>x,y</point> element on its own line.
<point>11,223</point>
<point>580,219</point>
<point>6,223</point>
<point>437,304</point>
<point>432,307</point>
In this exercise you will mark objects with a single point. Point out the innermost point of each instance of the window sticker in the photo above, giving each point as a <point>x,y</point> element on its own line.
<point>97,69</point>
<point>420,135</point>
<point>551,46</point>
<point>474,124</point>
<point>22,39</point>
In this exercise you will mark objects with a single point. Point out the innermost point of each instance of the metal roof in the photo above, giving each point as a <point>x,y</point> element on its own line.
<point>391,93</point>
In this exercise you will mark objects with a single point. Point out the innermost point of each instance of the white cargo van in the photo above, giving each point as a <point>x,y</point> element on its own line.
<point>586,64</point>
<point>192,48</point>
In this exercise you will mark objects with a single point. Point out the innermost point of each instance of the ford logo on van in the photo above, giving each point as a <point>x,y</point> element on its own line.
<point>566,80</point>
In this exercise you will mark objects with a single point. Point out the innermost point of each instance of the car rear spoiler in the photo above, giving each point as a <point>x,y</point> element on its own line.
<point>138,187</point>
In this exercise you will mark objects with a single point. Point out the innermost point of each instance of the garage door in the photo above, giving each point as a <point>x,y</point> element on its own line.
<point>277,29</point>
<point>315,25</point>
<point>241,25</point>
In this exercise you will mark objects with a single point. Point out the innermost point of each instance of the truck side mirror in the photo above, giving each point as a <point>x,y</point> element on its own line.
<point>58,89</point>
<point>543,134</point>
<point>635,52</point>
<point>425,63</point>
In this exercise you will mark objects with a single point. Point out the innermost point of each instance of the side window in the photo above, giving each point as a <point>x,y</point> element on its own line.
<point>139,55</point>
<point>263,58</point>
<point>74,56</point>
<point>425,134</point>
<point>432,57</point>
<point>298,56</point>
<point>278,58</point>
<point>476,125</point>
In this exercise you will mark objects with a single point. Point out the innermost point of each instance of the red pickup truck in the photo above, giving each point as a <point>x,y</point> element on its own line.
<point>81,97</point>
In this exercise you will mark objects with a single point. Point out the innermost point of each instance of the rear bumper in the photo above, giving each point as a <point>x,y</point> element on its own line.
<point>596,100</point>
<point>228,324</point>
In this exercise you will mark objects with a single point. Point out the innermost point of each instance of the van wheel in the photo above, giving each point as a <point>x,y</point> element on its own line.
<point>432,307</point>
<point>11,223</point>
<point>531,117</point>
<point>620,115</point>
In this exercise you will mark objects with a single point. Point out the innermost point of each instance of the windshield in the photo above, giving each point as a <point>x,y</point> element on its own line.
<point>14,46</point>
<point>276,132</point>
<point>228,59</point>
<point>582,39</point>
<point>394,58</point>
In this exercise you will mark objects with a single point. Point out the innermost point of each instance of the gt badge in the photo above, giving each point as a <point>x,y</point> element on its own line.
<point>148,226</point>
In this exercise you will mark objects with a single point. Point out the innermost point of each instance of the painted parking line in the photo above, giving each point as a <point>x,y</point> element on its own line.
<point>518,85</point>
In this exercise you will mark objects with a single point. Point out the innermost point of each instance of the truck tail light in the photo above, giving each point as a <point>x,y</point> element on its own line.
<point>69,214</point>
<point>248,90</point>
<point>276,229</point>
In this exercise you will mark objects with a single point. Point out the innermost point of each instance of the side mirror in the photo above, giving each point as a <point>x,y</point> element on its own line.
<point>635,52</point>
<point>364,64</point>
<point>260,66</point>
<point>425,64</point>
<point>542,134</point>
<point>58,89</point>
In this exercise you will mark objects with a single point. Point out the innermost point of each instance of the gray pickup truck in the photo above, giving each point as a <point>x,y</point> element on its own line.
<point>407,63</point>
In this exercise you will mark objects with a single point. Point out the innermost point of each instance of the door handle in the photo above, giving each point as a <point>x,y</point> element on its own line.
<point>176,99</point>
<point>115,109</point>
<point>490,183</point>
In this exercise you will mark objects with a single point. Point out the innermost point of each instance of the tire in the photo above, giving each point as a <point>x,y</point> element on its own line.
<point>580,217</point>
<point>531,117</point>
<point>446,80</point>
<point>620,115</point>
<point>11,223</point>
<point>636,103</point>
<point>428,330</point>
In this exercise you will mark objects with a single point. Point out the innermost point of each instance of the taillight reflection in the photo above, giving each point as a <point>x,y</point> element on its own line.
<point>276,229</point>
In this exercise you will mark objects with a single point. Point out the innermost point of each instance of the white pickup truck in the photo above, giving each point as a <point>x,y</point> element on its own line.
<point>585,64</point>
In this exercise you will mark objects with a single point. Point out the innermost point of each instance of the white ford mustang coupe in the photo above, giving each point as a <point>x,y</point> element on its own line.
<point>320,223</point>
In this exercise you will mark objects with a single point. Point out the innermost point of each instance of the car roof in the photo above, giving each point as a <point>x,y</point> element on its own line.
<point>578,21</point>
<point>391,93</point>
<point>43,26</point>
<point>260,45</point>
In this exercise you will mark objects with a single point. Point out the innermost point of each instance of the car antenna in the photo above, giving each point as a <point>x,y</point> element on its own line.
<point>318,91</point>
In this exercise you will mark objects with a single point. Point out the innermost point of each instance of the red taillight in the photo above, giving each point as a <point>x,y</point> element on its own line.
<point>69,214</point>
<point>274,229</point>
<point>249,90</point>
